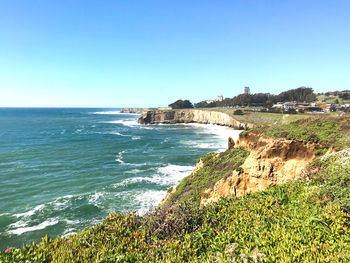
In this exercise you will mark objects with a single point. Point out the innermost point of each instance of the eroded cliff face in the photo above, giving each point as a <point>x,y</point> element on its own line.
<point>192,115</point>
<point>271,162</point>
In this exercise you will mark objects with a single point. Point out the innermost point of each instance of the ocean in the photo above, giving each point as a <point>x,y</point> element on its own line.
<point>63,169</point>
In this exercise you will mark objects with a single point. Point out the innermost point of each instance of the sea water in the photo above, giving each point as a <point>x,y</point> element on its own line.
<point>64,169</point>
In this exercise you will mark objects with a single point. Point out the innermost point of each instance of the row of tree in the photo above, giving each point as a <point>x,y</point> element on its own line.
<point>302,94</point>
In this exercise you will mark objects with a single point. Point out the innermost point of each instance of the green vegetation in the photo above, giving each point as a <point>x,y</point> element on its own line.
<point>336,97</point>
<point>181,104</point>
<point>335,176</point>
<point>238,112</point>
<point>302,94</point>
<point>262,119</point>
<point>215,167</point>
<point>301,221</point>
<point>327,130</point>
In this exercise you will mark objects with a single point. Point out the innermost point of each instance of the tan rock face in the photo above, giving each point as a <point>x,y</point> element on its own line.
<point>192,115</point>
<point>271,162</point>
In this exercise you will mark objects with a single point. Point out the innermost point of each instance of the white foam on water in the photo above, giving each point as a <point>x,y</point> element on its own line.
<point>119,134</point>
<point>21,230</point>
<point>202,145</point>
<point>129,123</point>
<point>72,222</point>
<point>129,181</point>
<point>165,176</point>
<point>175,171</point>
<point>19,224</point>
<point>30,212</point>
<point>133,114</point>
<point>106,112</point>
<point>4,214</point>
<point>62,202</point>
<point>221,135</point>
<point>96,199</point>
<point>133,171</point>
<point>149,199</point>
<point>136,137</point>
<point>151,127</point>
<point>119,157</point>
<point>68,232</point>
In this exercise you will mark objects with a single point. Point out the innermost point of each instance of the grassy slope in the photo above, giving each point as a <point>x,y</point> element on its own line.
<point>329,131</point>
<point>262,118</point>
<point>329,99</point>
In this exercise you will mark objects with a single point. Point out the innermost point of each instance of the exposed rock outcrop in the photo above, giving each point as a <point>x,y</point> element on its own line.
<point>230,143</point>
<point>192,115</point>
<point>271,162</point>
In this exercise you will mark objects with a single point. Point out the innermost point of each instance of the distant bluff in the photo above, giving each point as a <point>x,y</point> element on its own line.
<point>192,115</point>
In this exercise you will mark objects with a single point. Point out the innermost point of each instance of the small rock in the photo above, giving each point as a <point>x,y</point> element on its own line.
<point>231,143</point>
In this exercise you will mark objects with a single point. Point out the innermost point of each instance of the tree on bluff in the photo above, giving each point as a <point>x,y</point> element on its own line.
<point>181,104</point>
<point>302,94</point>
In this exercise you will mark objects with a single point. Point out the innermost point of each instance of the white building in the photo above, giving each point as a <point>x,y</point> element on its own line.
<point>219,98</point>
<point>246,90</point>
<point>285,106</point>
<point>209,101</point>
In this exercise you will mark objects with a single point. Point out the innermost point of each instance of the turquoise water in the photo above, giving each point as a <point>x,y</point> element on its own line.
<point>64,169</point>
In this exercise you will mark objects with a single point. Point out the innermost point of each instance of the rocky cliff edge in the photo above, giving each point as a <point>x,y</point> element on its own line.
<point>272,161</point>
<point>192,115</point>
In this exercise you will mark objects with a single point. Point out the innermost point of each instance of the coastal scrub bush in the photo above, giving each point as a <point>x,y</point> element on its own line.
<point>238,112</point>
<point>334,173</point>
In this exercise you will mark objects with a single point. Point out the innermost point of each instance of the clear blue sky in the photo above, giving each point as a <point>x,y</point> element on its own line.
<point>150,53</point>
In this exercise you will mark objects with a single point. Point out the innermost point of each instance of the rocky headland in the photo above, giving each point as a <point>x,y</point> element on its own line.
<point>190,116</point>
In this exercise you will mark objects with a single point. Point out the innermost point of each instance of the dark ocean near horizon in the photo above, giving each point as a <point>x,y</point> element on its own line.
<point>63,169</point>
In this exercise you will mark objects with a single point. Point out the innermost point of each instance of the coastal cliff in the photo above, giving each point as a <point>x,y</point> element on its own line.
<point>192,115</point>
<point>271,162</point>
<point>268,162</point>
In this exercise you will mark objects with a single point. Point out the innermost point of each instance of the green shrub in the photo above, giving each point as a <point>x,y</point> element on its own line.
<point>243,134</point>
<point>238,112</point>
<point>320,152</point>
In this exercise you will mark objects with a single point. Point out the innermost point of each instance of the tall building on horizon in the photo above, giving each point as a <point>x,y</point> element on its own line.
<point>246,90</point>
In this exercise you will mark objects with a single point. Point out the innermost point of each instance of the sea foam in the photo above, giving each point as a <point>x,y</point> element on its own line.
<point>164,176</point>
<point>23,228</point>
<point>128,122</point>
<point>149,199</point>
<point>106,112</point>
<point>30,212</point>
